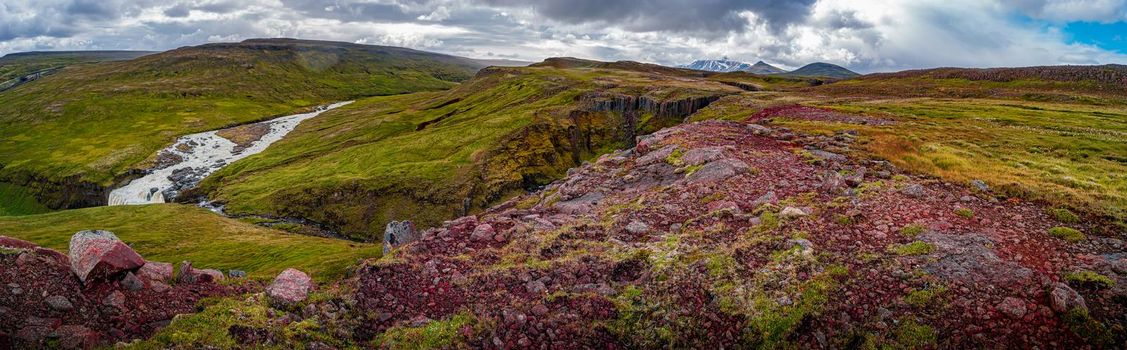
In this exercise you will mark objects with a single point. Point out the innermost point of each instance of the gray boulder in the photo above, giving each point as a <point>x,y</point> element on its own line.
<point>398,233</point>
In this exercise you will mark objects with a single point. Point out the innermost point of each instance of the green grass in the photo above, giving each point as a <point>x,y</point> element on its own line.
<point>210,328</point>
<point>438,334</point>
<point>965,213</point>
<point>17,65</point>
<point>17,200</point>
<point>418,156</point>
<point>1067,233</point>
<point>91,123</point>
<point>172,233</point>
<point>1069,154</point>
<point>1089,278</point>
<point>1064,215</point>
<point>912,230</point>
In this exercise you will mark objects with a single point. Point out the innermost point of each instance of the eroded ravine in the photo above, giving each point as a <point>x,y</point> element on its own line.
<point>193,157</point>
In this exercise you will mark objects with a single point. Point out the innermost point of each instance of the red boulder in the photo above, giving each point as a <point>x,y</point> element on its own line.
<point>98,253</point>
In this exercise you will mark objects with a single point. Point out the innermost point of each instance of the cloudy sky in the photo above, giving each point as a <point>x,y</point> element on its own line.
<point>869,35</point>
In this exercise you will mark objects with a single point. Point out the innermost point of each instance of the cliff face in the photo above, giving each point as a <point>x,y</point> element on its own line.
<point>626,104</point>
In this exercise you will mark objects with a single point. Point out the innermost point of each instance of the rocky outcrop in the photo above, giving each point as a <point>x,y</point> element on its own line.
<point>100,254</point>
<point>628,104</point>
<point>701,233</point>
<point>44,304</point>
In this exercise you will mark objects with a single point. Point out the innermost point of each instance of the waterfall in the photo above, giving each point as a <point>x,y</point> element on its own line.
<point>196,156</point>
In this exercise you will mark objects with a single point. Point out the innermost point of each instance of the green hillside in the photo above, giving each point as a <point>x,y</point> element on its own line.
<point>69,135</point>
<point>423,156</point>
<point>16,65</point>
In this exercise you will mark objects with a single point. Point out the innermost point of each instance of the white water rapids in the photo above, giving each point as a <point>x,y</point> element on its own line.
<point>202,155</point>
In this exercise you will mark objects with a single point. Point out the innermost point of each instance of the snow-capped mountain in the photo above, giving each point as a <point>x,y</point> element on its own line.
<point>723,65</point>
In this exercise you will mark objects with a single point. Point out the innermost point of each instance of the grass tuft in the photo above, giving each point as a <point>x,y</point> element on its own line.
<point>1067,233</point>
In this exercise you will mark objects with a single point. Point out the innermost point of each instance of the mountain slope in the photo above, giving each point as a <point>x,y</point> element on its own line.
<point>763,68</point>
<point>70,134</point>
<point>17,65</point>
<point>722,66</point>
<point>433,156</point>
<point>820,69</point>
<point>1083,84</point>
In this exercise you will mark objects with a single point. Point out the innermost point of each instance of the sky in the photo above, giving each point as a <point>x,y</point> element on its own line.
<point>866,36</point>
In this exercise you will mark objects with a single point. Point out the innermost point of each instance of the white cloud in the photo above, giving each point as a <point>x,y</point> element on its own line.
<point>864,35</point>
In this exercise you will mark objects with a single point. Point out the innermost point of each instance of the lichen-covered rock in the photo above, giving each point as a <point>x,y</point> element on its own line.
<point>98,253</point>
<point>290,287</point>
<point>398,233</point>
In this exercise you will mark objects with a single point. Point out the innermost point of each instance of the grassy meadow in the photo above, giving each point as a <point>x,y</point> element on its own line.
<point>173,233</point>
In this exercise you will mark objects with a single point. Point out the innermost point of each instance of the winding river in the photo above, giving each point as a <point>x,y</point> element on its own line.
<point>193,157</point>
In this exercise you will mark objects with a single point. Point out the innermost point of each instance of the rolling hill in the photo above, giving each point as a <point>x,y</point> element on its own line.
<point>436,155</point>
<point>820,69</point>
<point>15,66</point>
<point>66,137</point>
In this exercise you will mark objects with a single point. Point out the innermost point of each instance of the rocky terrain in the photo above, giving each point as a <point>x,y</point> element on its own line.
<point>103,292</point>
<point>728,235</point>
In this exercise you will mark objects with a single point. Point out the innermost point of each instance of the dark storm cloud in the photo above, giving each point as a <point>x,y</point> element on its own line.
<point>350,11</point>
<point>669,15</point>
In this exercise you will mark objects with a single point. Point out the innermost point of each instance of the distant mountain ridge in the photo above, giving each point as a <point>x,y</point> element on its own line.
<point>722,65</point>
<point>817,69</point>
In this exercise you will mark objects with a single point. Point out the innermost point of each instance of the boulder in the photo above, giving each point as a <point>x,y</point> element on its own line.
<point>216,275</point>
<point>189,274</point>
<point>913,190</point>
<point>792,212</point>
<point>636,227</point>
<point>98,253</point>
<point>1063,298</point>
<point>59,303</point>
<point>398,233</point>
<point>483,232</point>
<point>290,287</point>
<point>236,274</point>
<point>155,271</point>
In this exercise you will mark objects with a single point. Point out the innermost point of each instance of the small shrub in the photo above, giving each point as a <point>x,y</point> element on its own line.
<point>1089,279</point>
<point>912,230</point>
<point>914,248</point>
<point>843,220</point>
<point>1064,215</point>
<point>1067,233</point>
<point>964,212</point>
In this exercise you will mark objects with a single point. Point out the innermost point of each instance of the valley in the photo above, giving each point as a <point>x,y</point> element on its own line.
<point>568,203</point>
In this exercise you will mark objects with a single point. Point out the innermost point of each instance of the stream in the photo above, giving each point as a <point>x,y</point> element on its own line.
<point>193,157</point>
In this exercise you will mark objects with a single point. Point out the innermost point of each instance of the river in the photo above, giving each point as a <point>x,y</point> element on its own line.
<point>193,157</point>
